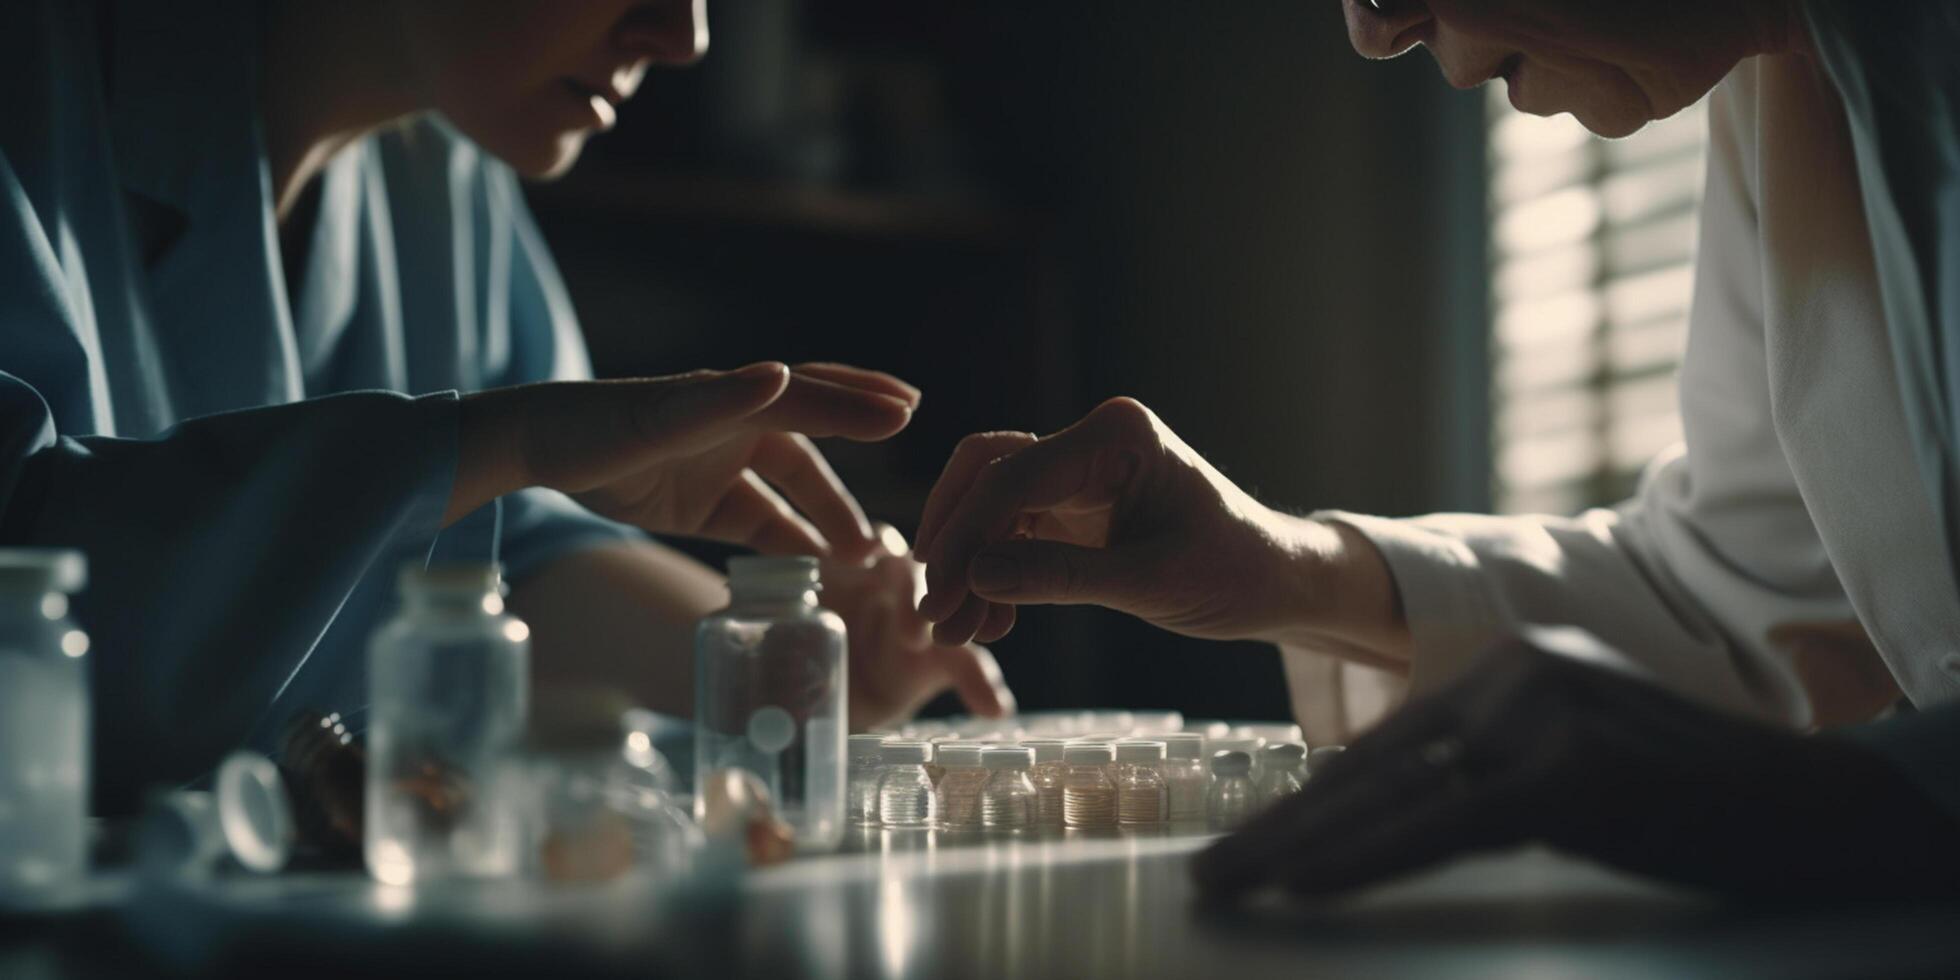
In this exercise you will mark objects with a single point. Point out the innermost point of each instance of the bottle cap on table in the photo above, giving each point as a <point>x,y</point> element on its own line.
<point>1231,762</point>
<point>1006,758</point>
<point>1087,753</point>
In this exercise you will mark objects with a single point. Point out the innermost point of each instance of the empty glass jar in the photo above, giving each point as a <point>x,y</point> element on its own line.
<point>866,766</point>
<point>1047,776</point>
<point>959,788</point>
<point>905,795</point>
<point>1007,802</point>
<point>1186,780</point>
<point>1233,798</point>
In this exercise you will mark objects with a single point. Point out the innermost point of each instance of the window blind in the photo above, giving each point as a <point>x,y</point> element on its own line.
<point>1592,246</point>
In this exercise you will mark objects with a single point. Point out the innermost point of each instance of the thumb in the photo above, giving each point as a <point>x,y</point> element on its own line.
<point>1048,572</point>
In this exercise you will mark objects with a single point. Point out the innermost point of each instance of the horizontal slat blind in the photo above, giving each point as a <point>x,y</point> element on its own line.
<point>1592,242</point>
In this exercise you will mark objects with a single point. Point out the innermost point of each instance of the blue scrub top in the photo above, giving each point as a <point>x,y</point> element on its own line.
<point>244,466</point>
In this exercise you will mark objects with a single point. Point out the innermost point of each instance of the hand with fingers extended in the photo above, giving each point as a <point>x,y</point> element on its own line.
<point>1117,511</point>
<point>1534,746</point>
<point>895,665</point>
<point>716,454</point>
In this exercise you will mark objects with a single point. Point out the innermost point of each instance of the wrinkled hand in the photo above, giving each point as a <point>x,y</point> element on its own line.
<point>1535,746</point>
<point>895,665</point>
<point>722,455</point>
<point>1114,510</point>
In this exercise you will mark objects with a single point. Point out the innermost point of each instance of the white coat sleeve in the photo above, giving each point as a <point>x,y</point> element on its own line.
<point>1686,578</point>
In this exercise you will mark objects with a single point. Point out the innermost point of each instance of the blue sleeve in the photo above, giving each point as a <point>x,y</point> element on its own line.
<point>1925,745</point>
<point>539,525</point>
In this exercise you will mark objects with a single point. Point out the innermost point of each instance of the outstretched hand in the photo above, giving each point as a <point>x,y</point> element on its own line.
<point>1537,746</point>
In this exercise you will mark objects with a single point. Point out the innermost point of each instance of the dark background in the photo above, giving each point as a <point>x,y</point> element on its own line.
<point>1025,207</point>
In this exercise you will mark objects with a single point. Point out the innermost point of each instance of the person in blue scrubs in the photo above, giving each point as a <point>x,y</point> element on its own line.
<point>274,320</point>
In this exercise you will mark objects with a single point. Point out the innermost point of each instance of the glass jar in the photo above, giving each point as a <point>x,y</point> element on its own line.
<point>1186,780</point>
<point>865,767</point>
<point>1281,777</point>
<point>770,695</point>
<point>959,788</point>
<point>1139,782</point>
<point>905,794</point>
<point>1088,797</point>
<point>449,680</point>
<point>598,796</point>
<point>1047,776</point>
<point>1233,798</point>
<point>44,724</point>
<point>1007,801</point>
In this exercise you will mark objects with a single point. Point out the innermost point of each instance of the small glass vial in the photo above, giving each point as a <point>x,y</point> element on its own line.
<point>960,788</point>
<point>1248,744</point>
<point>1088,797</point>
<point>1007,802</point>
<point>866,766</point>
<point>769,688</point>
<point>905,795</point>
<point>1047,776</point>
<point>449,684</point>
<point>1233,798</point>
<point>44,726</point>
<point>1186,780</point>
<point>1139,783</point>
<point>1281,778</point>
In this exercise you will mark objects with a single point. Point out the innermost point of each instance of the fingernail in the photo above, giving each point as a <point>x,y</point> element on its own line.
<point>996,573</point>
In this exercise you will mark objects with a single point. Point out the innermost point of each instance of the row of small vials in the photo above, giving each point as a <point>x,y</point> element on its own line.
<point>1095,782</point>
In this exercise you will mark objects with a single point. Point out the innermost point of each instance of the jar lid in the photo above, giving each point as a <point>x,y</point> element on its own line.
<point>867,746</point>
<point>1044,749</point>
<point>1231,762</point>
<point>1087,753</point>
<point>1183,745</point>
<point>1139,750</point>
<point>773,572</point>
<point>451,578</point>
<point>1007,758</point>
<point>43,569</point>
<point>904,753</point>
<point>959,755</point>
<point>253,812</point>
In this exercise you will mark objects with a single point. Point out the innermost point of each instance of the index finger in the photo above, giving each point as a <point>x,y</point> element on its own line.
<point>973,452</point>
<point>857,377</point>
<point>819,407</point>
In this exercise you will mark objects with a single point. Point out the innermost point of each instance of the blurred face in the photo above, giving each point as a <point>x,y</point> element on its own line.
<point>529,80</point>
<point>1614,64</point>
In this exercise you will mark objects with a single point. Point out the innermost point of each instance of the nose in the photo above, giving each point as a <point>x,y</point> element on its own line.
<point>1386,28</point>
<point>665,32</point>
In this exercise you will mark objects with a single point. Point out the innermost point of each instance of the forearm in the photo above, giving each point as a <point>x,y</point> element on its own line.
<point>619,616</point>
<point>1332,592</point>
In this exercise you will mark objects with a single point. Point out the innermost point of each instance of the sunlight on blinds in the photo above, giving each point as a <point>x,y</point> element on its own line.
<point>1592,243</point>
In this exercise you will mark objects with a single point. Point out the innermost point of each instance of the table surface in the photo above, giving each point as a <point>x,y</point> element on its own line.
<point>915,904</point>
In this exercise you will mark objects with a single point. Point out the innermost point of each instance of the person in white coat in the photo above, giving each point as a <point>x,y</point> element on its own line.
<point>1791,567</point>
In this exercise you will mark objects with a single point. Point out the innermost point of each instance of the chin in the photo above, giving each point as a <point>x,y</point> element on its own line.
<point>543,157</point>
<point>1612,121</point>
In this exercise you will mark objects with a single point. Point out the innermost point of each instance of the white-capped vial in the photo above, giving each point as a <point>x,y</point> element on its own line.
<point>44,726</point>
<point>905,795</point>
<point>1233,798</point>
<point>1281,777</point>
<point>1048,774</point>
<point>865,766</point>
<point>1139,782</point>
<point>1186,779</point>
<point>1088,797</point>
<point>449,691</point>
<point>1007,801</point>
<point>1322,756</point>
<point>769,690</point>
<point>959,788</point>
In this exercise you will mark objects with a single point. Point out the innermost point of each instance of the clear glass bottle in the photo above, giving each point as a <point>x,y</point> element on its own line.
<point>1186,780</point>
<point>866,765</point>
<point>1249,744</point>
<point>598,796</point>
<point>960,788</point>
<point>1047,776</point>
<point>1088,797</point>
<point>1139,783</point>
<point>769,689</point>
<point>905,795</point>
<point>1233,798</point>
<point>449,684</point>
<point>1281,777</point>
<point>1007,802</point>
<point>44,725</point>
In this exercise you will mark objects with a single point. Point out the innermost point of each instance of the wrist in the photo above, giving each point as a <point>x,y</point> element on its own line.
<point>1336,594</point>
<point>487,465</point>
